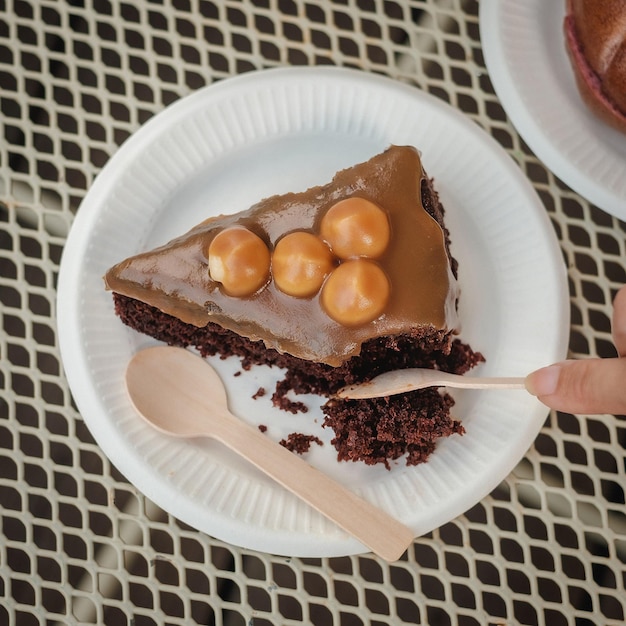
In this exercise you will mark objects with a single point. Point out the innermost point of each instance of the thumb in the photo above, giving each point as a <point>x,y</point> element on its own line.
<point>588,386</point>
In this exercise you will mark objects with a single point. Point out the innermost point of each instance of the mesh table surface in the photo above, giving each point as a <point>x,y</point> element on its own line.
<point>80,545</point>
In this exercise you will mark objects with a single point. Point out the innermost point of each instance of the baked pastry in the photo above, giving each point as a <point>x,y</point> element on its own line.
<point>335,284</point>
<point>595,36</point>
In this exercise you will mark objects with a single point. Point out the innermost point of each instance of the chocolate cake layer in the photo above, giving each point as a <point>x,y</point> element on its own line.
<point>371,431</point>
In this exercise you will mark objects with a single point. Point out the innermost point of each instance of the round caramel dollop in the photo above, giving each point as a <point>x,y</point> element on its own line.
<point>300,263</point>
<point>239,260</point>
<point>356,292</point>
<point>356,227</point>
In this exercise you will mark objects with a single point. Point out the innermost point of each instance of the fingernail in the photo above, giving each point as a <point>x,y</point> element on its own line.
<point>543,382</point>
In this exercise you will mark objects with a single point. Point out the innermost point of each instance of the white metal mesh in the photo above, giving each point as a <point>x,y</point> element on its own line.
<point>79,544</point>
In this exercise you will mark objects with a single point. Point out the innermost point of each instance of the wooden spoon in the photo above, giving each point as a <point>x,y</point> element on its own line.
<point>181,395</point>
<point>410,379</point>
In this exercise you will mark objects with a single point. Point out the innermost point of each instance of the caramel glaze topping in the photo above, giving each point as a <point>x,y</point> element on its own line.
<point>422,288</point>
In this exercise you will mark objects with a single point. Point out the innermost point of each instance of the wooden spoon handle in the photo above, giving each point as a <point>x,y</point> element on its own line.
<point>377,530</point>
<point>403,381</point>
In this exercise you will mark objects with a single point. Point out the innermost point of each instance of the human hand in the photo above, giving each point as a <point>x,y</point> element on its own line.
<point>588,386</point>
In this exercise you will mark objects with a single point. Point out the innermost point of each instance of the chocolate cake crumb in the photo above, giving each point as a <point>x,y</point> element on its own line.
<point>259,393</point>
<point>299,442</point>
<point>282,402</point>
<point>263,428</point>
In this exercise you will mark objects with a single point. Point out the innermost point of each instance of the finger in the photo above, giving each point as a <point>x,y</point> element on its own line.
<point>588,386</point>
<point>618,327</point>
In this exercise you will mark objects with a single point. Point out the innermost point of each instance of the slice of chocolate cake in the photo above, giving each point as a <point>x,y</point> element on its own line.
<point>335,284</point>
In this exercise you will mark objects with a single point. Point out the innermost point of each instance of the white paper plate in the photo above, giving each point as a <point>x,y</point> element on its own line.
<point>524,49</point>
<point>227,146</point>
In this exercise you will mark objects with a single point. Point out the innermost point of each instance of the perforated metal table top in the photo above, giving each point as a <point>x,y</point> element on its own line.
<point>79,544</point>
